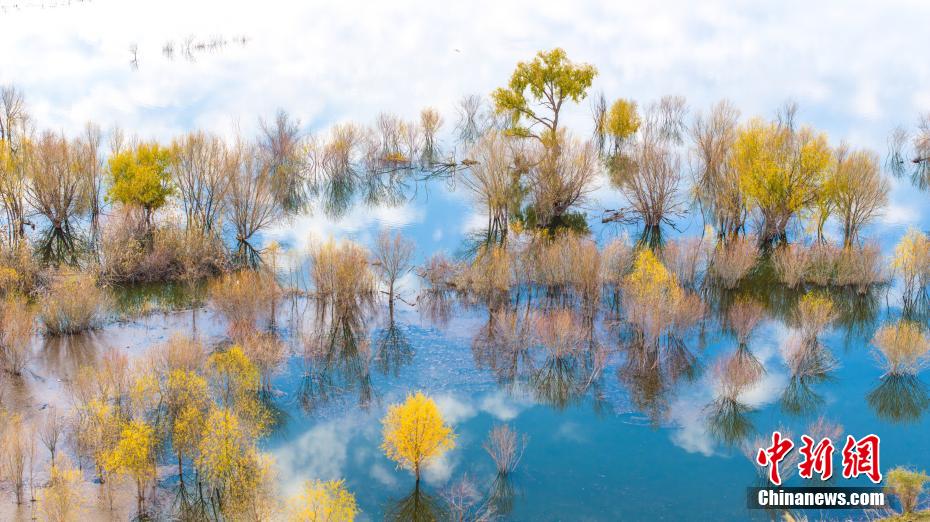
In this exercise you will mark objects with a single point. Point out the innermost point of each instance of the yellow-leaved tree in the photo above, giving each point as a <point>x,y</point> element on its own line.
<point>320,501</point>
<point>134,455</point>
<point>415,433</point>
<point>781,171</point>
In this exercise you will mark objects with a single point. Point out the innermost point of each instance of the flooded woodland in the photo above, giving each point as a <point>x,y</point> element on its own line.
<point>547,300</point>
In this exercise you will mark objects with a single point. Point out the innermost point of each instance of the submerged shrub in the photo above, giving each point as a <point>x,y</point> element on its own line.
<point>903,347</point>
<point>733,260</point>
<point>743,317</point>
<point>19,270</point>
<point>815,311</point>
<point>654,302</point>
<point>912,263</point>
<point>74,303</point>
<point>342,277</point>
<point>17,324</point>
<point>790,262</point>
<point>616,261</point>
<point>506,447</point>
<point>859,267</point>
<point>821,264</point>
<point>244,298</point>
<point>683,257</point>
<point>560,332</point>
<point>489,276</point>
<point>318,500</point>
<point>907,485</point>
<point>132,251</point>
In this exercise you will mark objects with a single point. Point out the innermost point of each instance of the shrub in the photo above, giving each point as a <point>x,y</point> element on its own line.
<point>821,264</point>
<point>744,315</point>
<point>902,346</point>
<point>912,263</point>
<point>790,262</point>
<point>814,312</point>
<point>74,303</point>
<point>617,261</point>
<point>683,257</point>
<point>653,301</point>
<point>733,260</point>
<point>130,252</point>
<point>488,278</point>
<point>244,299</point>
<point>342,277</point>
<point>859,267</point>
<point>907,486</point>
<point>17,324</point>
<point>506,447</point>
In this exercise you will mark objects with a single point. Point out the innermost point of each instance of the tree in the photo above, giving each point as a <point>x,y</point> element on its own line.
<point>392,260</point>
<point>857,190</point>
<point>140,177</point>
<point>560,181</point>
<point>781,171</point>
<point>282,151</point>
<point>61,499</point>
<point>237,381</point>
<point>199,170</point>
<point>320,501</point>
<point>495,181</point>
<point>134,455</point>
<point>716,186</point>
<point>252,201</point>
<point>58,190</point>
<point>907,486</point>
<point>415,433</point>
<point>537,91</point>
<point>187,404</point>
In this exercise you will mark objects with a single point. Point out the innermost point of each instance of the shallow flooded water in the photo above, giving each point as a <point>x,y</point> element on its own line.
<point>628,440</point>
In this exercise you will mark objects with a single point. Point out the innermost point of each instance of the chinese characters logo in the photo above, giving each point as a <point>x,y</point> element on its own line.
<point>859,457</point>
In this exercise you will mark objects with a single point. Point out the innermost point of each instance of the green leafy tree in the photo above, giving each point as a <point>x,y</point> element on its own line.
<point>140,177</point>
<point>537,91</point>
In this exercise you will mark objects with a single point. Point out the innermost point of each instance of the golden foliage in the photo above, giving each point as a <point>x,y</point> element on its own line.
<point>61,500</point>
<point>320,501</point>
<point>244,298</point>
<point>415,433</point>
<point>903,346</point>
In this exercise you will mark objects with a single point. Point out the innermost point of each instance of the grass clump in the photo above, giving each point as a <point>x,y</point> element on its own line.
<point>790,262</point>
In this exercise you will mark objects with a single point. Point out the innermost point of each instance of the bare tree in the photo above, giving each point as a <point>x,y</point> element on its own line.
<point>393,257</point>
<point>282,149</point>
<point>716,186</point>
<point>857,190</point>
<point>252,203</point>
<point>57,190</point>
<point>491,178</point>
<point>91,166</point>
<point>559,181</point>
<point>430,122</point>
<point>200,172</point>
<point>470,124</point>
<point>52,429</point>
<point>650,178</point>
<point>13,128</point>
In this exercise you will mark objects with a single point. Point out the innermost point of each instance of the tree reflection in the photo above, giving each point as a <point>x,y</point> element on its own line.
<point>394,349</point>
<point>900,398</point>
<point>418,506</point>
<point>809,363</point>
<point>337,358</point>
